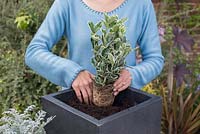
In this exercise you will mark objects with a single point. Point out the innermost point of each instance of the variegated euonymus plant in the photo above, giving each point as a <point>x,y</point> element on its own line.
<point>110,48</point>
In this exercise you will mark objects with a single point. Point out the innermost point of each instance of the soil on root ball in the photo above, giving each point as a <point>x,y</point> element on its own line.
<point>100,112</point>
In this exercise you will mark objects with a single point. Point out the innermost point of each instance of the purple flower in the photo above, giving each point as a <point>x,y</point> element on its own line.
<point>161,31</point>
<point>198,88</point>
<point>198,77</point>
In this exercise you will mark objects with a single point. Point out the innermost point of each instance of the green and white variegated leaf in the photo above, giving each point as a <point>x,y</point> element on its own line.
<point>111,58</point>
<point>92,28</point>
<point>95,37</point>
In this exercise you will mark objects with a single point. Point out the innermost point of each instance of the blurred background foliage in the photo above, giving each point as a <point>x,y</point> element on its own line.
<point>20,86</point>
<point>178,84</point>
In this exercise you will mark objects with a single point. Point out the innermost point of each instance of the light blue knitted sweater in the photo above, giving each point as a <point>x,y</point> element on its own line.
<point>70,18</point>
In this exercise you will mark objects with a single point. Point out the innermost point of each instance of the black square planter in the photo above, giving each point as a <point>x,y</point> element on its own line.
<point>143,118</point>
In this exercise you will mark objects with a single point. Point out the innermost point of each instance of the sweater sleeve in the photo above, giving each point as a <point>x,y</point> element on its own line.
<point>39,57</point>
<point>149,42</point>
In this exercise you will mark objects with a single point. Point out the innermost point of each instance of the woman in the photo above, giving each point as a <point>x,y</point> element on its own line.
<point>70,18</point>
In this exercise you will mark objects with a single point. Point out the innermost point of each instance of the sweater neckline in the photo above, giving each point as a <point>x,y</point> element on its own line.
<point>99,12</point>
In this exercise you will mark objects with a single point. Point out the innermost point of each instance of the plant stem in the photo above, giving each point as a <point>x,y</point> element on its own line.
<point>170,87</point>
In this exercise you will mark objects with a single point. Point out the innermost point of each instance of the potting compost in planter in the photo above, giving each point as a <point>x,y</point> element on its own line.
<point>133,112</point>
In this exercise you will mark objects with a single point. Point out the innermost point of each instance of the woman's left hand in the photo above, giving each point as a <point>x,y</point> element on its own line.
<point>123,82</point>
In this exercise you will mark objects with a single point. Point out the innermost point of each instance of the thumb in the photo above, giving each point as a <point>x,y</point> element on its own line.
<point>92,76</point>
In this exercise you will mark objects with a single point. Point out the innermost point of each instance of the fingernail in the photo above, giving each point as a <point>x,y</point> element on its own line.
<point>115,93</point>
<point>114,89</point>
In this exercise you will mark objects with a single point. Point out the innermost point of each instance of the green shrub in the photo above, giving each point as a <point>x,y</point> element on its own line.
<point>20,86</point>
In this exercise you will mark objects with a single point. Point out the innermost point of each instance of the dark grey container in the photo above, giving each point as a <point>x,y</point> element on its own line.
<point>143,118</point>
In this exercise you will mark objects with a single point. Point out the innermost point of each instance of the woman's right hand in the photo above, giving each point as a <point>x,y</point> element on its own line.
<point>83,85</point>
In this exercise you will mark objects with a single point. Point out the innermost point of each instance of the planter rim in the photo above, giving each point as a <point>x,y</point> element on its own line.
<point>52,98</point>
